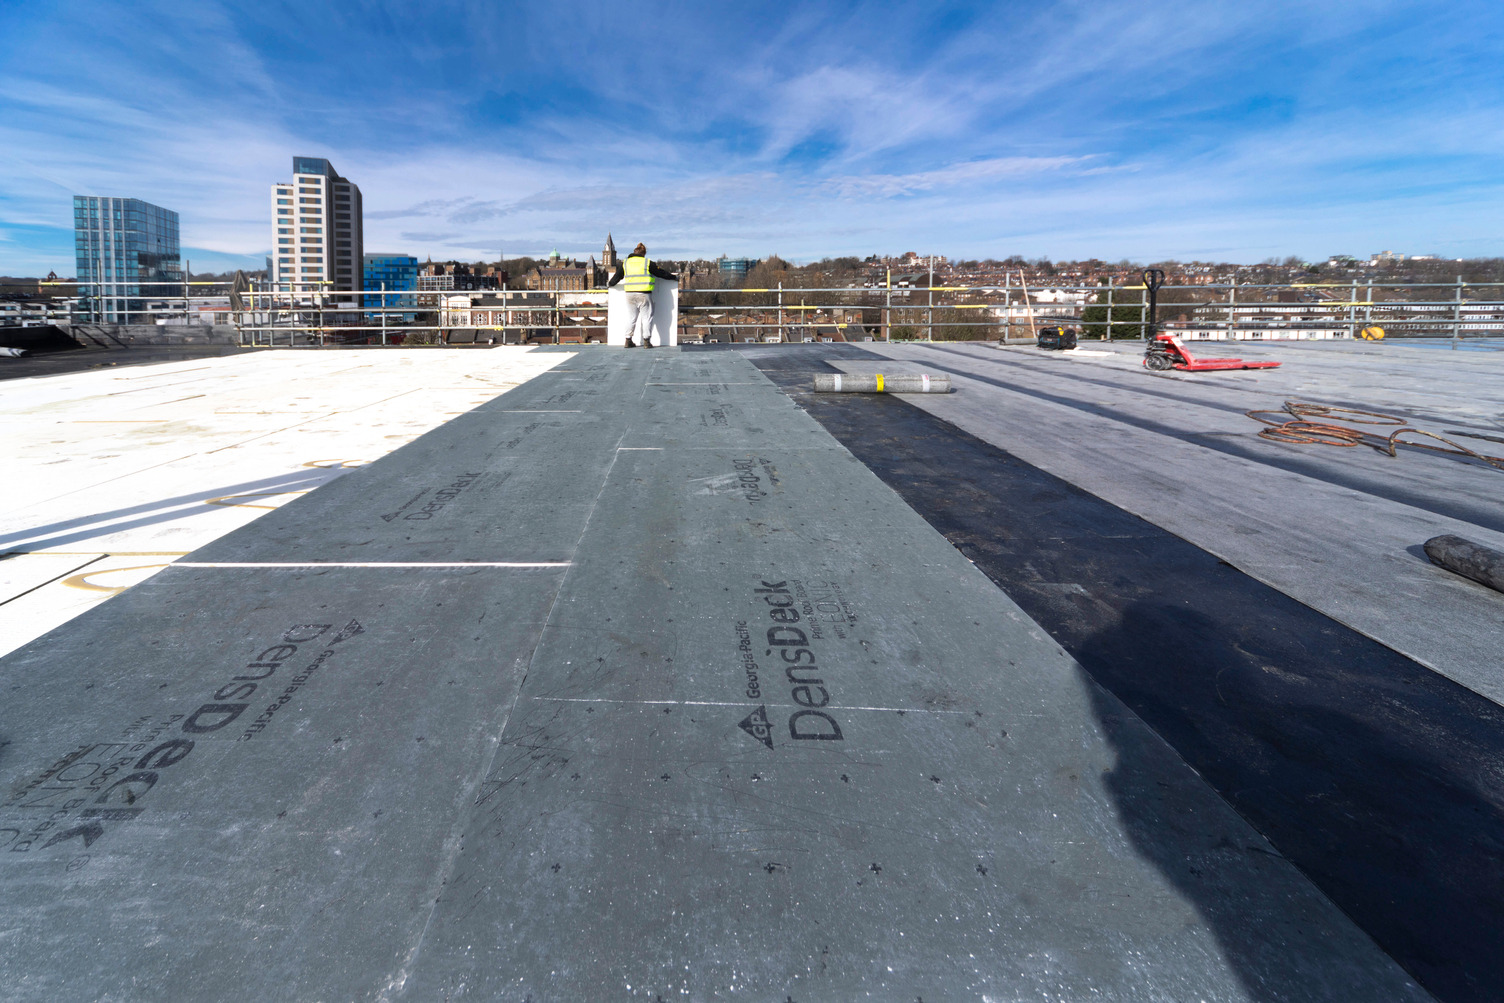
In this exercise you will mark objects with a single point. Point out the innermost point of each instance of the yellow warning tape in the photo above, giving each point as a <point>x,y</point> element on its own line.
<point>879,382</point>
<point>1382,304</point>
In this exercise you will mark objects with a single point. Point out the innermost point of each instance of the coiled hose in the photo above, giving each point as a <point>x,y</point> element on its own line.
<point>1299,428</point>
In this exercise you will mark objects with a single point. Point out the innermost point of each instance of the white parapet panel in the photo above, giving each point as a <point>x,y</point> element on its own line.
<point>665,314</point>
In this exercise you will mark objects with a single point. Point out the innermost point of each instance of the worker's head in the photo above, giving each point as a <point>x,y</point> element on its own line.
<point>641,248</point>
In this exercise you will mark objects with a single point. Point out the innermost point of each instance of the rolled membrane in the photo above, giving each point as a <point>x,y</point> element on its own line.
<point>1471,560</point>
<point>898,383</point>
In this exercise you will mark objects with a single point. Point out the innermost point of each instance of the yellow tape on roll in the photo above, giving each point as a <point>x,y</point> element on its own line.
<point>879,382</point>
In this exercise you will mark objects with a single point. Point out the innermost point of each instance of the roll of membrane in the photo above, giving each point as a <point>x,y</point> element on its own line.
<point>878,383</point>
<point>1483,565</point>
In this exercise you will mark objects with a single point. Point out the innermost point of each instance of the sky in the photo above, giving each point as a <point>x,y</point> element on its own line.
<point>1147,130</point>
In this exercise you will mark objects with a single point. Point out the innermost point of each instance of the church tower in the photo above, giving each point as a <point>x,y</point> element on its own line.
<point>608,256</point>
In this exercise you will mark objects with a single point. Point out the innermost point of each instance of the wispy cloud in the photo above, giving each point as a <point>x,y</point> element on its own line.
<point>857,186</point>
<point>1067,128</point>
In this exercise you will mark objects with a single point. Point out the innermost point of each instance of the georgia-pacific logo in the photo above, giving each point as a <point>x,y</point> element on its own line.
<point>756,724</point>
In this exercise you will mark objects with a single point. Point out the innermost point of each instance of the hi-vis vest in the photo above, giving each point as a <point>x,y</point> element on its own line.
<point>638,278</point>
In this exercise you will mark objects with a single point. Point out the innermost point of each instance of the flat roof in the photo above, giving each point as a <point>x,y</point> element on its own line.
<point>656,674</point>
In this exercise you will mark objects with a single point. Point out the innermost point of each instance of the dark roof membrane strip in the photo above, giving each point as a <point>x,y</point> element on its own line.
<point>1486,517</point>
<point>1382,780</point>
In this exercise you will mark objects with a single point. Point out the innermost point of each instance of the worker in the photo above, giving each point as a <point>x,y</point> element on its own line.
<point>640,276</point>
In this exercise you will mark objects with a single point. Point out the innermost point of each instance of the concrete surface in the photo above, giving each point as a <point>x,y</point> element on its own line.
<point>751,730</point>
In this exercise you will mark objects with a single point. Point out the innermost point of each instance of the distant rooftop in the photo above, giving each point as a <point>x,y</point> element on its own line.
<point>313,165</point>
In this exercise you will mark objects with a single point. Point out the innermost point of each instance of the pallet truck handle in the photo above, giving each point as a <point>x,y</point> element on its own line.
<point>1153,279</point>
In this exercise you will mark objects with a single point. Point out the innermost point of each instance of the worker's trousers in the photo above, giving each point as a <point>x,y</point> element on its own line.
<point>640,318</point>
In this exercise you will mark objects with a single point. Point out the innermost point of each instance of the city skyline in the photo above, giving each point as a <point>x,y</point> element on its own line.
<point>1186,131</point>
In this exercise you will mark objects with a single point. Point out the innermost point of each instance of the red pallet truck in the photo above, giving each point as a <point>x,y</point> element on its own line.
<point>1164,351</point>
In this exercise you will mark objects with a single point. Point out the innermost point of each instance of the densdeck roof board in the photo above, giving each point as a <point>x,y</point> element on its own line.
<point>628,835</point>
<point>300,862</point>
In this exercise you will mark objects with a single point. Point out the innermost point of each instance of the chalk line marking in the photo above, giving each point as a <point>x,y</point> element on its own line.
<point>372,564</point>
<point>737,703</point>
<point>718,383</point>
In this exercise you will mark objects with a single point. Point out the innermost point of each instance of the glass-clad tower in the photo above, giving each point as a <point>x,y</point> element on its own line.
<point>392,272</point>
<point>127,252</point>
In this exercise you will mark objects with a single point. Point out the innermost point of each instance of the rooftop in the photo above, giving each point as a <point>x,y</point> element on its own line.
<point>552,672</point>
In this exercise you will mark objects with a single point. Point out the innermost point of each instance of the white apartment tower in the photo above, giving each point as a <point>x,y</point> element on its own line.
<point>318,231</point>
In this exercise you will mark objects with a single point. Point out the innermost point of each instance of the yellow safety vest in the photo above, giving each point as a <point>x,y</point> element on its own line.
<point>638,278</point>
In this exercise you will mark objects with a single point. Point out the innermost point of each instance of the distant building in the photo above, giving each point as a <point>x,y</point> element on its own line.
<point>126,249</point>
<point>435,279</point>
<point>318,230</point>
<point>392,273</point>
<point>608,258</point>
<point>735,267</point>
<point>27,301</point>
<point>1075,296</point>
<point>497,310</point>
<point>448,276</point>
<point>564,274</point>
<point>913,259</point>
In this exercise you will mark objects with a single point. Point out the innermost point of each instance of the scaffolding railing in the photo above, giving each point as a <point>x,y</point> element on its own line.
<point>316,313</point>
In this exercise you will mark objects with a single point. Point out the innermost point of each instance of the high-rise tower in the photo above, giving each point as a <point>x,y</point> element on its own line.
<point>318,231</point>
<point>126,251</point>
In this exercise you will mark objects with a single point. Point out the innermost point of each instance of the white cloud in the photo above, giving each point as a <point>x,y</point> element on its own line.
<point>1067,129</point>
<point>857,186</point>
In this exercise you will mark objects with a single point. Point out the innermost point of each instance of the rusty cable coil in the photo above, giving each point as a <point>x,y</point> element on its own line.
<point>1298,428</point>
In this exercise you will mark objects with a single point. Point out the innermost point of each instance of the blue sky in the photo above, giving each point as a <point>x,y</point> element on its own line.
<point>1226,131</point>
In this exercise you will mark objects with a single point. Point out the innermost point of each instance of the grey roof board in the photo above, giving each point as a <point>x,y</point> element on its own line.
<point>989,821</point>
<point>588,383</point>
<point>718,415</point>
<point>714,402</point>
<point>487,486</point>
<point>970,819</point>
<point>299,863</point>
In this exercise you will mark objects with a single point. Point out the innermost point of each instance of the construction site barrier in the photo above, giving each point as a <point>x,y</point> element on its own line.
<point>316,313</point>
